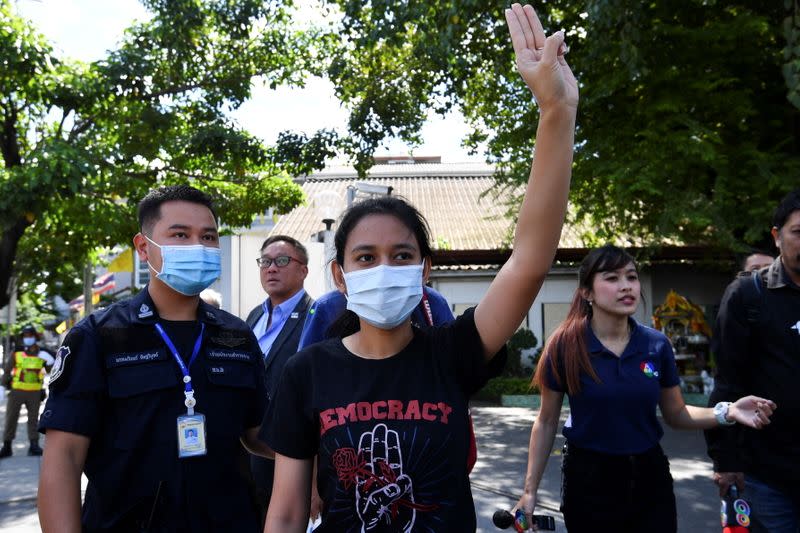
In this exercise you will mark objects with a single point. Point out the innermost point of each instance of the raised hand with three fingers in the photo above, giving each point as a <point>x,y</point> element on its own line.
<point>540,59</point>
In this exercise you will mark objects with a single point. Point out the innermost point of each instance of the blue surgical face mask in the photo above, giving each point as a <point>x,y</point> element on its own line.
<point>188,269</point>
<point>384,296</point>
<point>28,341</point>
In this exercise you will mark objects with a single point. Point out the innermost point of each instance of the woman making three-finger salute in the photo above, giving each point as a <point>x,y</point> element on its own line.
<point>385,406</point>
<point>615,372</point>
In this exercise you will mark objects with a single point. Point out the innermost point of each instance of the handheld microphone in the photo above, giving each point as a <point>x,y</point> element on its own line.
<point>734,512</point>
<point>502,519</point>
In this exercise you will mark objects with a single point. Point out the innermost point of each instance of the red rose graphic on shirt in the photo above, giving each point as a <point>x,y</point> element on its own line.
<point>384,494</point>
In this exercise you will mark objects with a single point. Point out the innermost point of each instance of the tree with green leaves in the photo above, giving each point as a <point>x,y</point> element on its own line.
<point>82,142</point>
<point>686,132</point>
<point>791,52</point>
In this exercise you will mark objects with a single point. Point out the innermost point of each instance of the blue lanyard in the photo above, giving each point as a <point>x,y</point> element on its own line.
<point>187,379</point>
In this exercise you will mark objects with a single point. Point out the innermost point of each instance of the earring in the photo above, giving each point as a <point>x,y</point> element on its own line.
<point>590,302</point>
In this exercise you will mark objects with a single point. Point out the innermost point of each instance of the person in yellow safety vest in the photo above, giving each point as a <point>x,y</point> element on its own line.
<point>28,367</point>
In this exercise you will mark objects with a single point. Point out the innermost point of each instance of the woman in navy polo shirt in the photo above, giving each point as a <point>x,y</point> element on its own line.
<point>615,372</point>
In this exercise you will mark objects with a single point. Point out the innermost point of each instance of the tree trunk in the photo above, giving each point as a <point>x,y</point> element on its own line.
<point>9,240</point>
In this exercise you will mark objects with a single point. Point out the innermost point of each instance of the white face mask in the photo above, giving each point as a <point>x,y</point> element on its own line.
<point>28,341</point>
<point>384,296</point>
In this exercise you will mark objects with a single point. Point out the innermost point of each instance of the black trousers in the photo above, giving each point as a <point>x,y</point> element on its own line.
<point>620,493</point>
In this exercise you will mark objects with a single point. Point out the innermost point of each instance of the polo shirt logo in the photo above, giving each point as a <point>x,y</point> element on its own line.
<point>796,327</point>
<point>648,369</point>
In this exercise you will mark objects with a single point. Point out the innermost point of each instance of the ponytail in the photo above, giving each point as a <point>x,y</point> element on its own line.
<point>565,351</point>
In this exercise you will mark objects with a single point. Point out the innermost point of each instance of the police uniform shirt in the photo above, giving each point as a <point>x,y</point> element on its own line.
<point>116,382</point>
<point>618,415</point>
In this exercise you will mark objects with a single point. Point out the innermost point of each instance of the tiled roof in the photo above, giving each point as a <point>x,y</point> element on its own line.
<point>458,200</point>
<point>471,169</point>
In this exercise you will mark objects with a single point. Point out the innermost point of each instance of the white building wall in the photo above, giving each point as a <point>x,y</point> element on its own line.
<point>241,290</point>
<point>463,291</point>
<point>240,283</point>
<point>318,280</point>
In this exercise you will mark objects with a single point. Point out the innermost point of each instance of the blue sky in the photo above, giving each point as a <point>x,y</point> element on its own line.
<point>85,29</point>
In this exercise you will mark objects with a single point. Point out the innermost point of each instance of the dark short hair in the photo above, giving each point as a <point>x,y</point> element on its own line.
<point>789,204</point>
<point>752,251</point>
<point>149,210</point>
<point>294,243</point>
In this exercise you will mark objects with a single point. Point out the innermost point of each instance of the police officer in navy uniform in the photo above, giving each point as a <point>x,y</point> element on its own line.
<point>151,397</point>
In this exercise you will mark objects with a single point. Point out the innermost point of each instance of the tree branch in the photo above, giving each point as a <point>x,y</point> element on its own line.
<point>177,89</point>
<point>9,239</point>
<point>185,174</point>
<point>64,116</point>
<point>80,127</point>
<point>9,143</point>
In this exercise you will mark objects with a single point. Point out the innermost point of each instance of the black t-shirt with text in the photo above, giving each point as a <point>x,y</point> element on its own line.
<point>391,434</point>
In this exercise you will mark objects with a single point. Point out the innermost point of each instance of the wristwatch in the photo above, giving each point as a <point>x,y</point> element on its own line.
<point>721,412</point>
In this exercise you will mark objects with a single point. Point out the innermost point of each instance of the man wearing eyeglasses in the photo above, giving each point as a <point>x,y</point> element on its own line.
<point>277,324</point>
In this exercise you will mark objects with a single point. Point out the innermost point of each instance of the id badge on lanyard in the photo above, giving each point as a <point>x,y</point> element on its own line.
<point>191,435</point>
<point>191,426</point>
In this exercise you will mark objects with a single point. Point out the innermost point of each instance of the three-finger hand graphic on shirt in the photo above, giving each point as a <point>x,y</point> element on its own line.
<point>384,493</point>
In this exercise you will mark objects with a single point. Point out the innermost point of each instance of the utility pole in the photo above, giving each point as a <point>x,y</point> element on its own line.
<point>88,279</point>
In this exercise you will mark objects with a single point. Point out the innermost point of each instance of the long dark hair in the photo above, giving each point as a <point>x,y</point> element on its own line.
<point>348,323</point>
<point>565,351</point>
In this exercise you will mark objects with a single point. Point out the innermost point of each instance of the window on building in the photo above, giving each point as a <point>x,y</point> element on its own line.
<point>141,272</point>
<point>552,315</point>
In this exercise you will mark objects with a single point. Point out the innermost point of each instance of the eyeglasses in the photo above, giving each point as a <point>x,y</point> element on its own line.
<point>280,261</point>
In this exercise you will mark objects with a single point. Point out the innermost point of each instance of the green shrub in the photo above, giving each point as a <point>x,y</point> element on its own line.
<point>522,339</point>
<point>496,387</point>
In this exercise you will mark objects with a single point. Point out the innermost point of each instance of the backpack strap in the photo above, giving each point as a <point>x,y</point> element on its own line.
<point>754,297</point>
<point>756,276</point>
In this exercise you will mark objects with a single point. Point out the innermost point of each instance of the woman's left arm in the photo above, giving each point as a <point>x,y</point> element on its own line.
<point>291,495</point>
<point>750,411</point>
<point>541,64</point>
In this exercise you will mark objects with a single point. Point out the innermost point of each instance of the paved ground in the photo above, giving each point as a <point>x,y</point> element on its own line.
<point>498,477</point>
<point>19,475</point>
<point>502,434</point>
